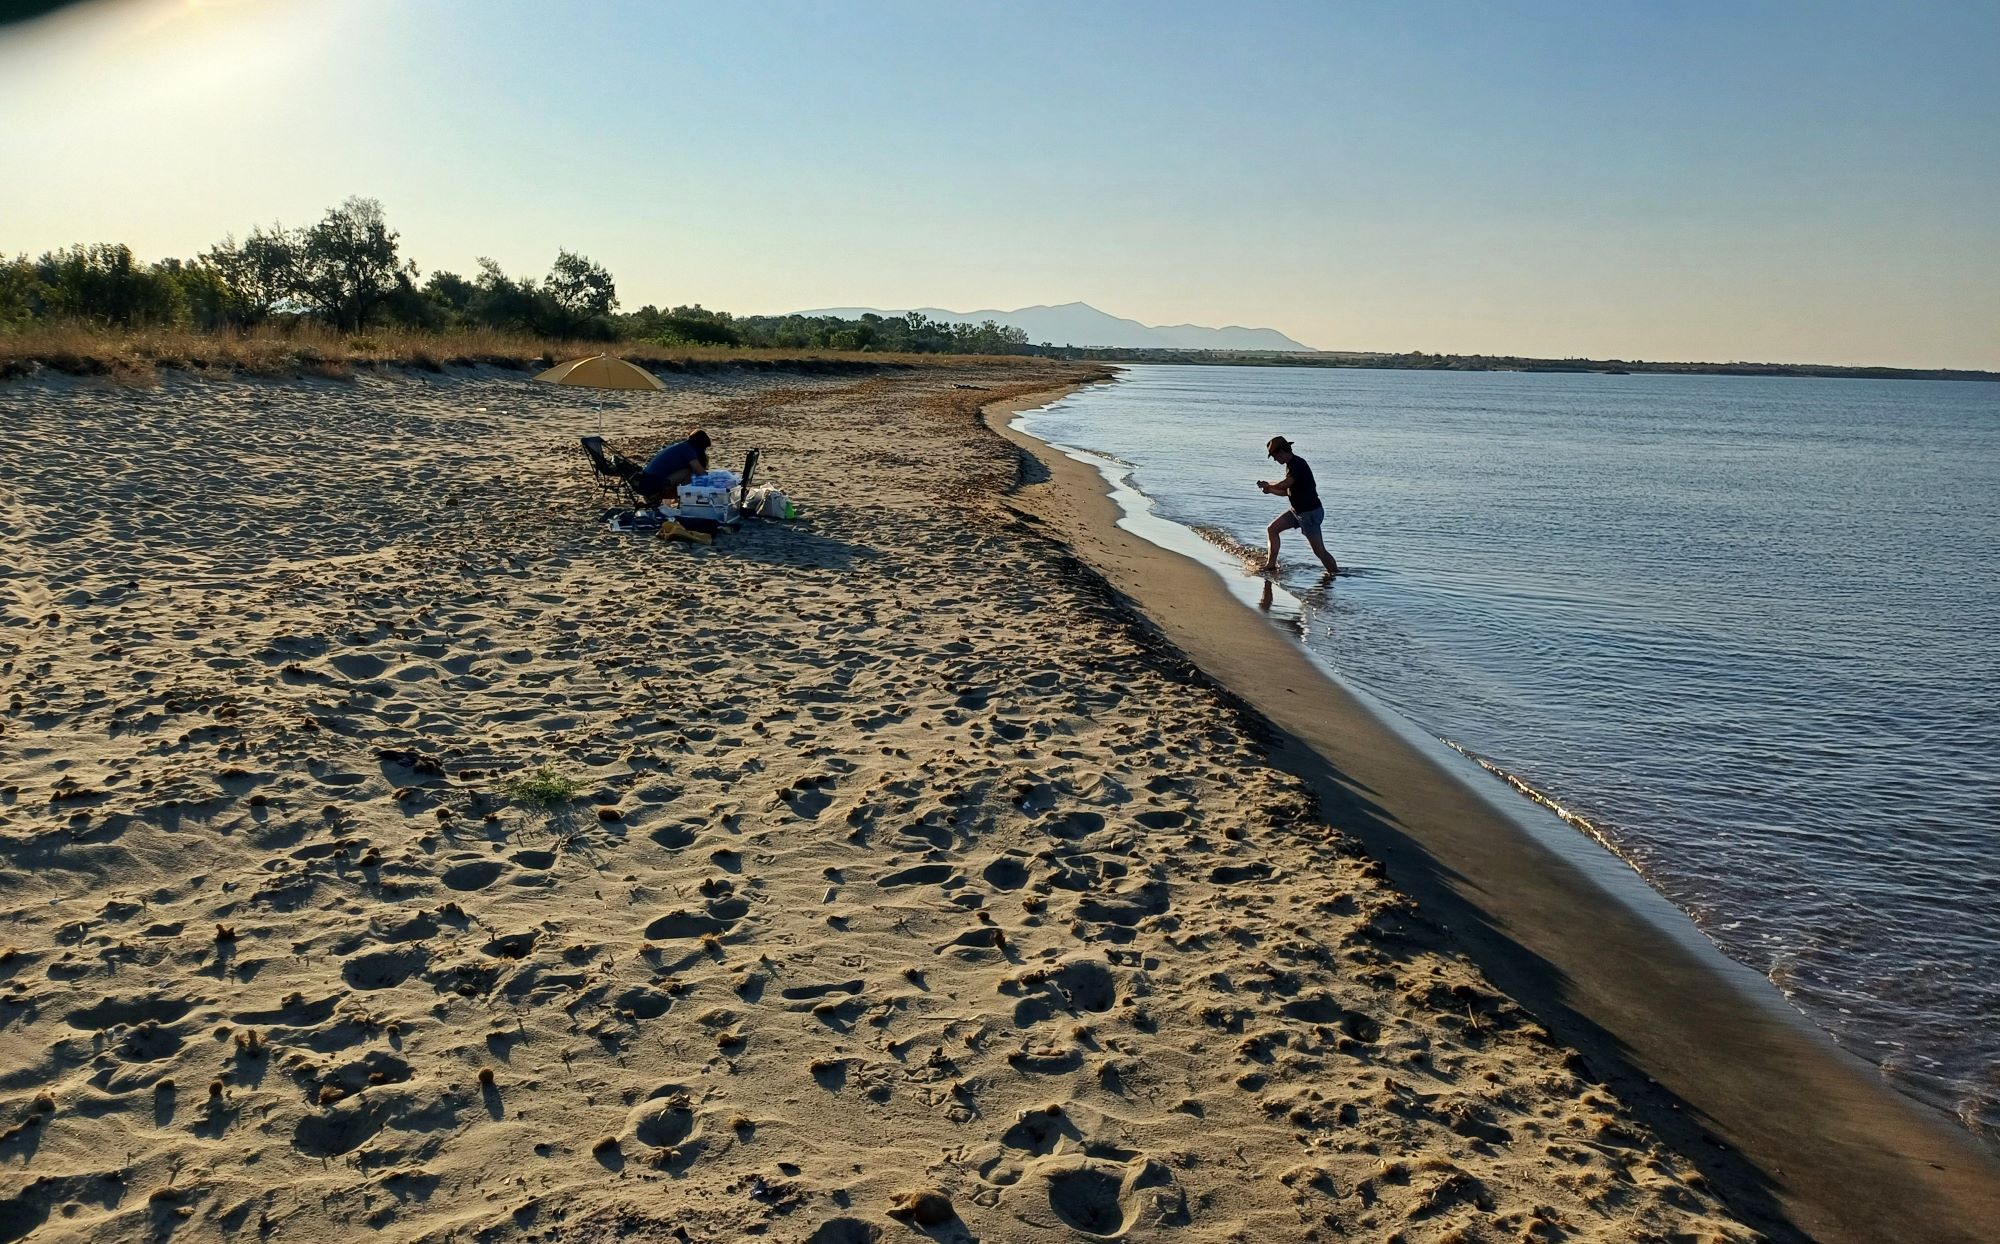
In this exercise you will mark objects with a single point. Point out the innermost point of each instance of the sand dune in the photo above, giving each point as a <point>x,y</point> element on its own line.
<point>911,890</point>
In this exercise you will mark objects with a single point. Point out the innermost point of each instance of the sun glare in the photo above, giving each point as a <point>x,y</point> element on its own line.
<point>205,16</point>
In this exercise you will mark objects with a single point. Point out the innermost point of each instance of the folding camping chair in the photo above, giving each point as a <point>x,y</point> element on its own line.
<point>613,472</point>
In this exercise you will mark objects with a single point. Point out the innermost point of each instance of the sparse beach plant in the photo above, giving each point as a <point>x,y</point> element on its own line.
<point>545,787</point>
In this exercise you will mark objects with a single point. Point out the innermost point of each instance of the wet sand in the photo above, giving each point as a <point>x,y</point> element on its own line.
<point>913,887</point>
<point>1803,1139</point>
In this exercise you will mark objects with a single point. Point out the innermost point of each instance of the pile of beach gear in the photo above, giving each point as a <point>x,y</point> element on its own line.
<point>719,496</point>
<point>767,502</point>
<point>710,502</point>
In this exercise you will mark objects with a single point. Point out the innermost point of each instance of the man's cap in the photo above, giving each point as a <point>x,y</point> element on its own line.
<point>1275,444</point>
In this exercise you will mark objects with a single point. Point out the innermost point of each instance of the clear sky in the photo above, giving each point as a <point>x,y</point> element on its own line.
<point>1763,181</point>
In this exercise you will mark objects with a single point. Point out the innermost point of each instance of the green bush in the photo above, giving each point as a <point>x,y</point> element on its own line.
<point>103,284</point>
<point>545,787</point>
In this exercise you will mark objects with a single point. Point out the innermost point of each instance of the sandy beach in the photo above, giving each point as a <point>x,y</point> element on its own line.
<point>914,887</point>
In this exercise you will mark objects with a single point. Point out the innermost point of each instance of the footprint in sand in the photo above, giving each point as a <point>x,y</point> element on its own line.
<point>371,1070</point>
<point>717,917</point>
<point>112,1012</point>
<point>846,1231</point>
<point>384,969</point>
<point>475,875</point>
<point>976,945</point>
<point>389,930</point>
<point>674,837</point>
<point>347,1126</point>
<point>1324,1010</point>
<point>933,836</point>
<point>294,1012</point>
<point>538,860</point>
<point>1100,1199</point>
<point>1086,1197</point>
<point>809,796</point>
<point>642,1002</point>
<point>512,945</point>
<point>359,666</point>
<point>662,1122</point>
<point>1073,986</point>
<point>1038,1133</point>
<point>1125,906</point>
<point>1073,825</point>
<point>149,1043</point>
<point>1006,873</point>
<point>808,993</point>
<point>922,874</point>
<point>667,1123</point>
<point>1236,874</point>
<point>1045,1060</point>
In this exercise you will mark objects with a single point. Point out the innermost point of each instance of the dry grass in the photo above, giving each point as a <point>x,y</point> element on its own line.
<point>139,355</point>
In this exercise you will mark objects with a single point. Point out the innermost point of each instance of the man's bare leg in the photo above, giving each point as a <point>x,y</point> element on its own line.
<point>1279,525</point>
<point>1319,550</point>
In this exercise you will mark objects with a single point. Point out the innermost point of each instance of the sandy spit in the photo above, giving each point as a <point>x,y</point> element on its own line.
<point>912,889</point>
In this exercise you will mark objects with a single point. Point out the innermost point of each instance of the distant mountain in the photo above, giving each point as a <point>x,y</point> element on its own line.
<point>1080,324</point>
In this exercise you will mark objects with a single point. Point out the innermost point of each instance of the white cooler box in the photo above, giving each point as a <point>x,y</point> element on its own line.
<point>718,495</point>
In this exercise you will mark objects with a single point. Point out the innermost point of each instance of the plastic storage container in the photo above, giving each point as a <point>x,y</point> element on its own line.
<point>719,501</point>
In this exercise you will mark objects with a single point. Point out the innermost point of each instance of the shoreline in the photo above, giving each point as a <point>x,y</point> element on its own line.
<point>893,859</point>
<point>1802,1138</point>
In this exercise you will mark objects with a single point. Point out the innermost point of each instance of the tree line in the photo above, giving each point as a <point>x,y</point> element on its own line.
<point>911,333</point>
<point>347,271</point>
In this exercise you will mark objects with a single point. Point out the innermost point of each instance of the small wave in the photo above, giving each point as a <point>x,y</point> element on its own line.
<point>1227,543</point>
<point>1574,820</point>
<point>1027,424</point>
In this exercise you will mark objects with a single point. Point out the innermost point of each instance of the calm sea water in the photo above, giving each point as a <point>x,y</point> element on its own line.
<point>1748,628</point>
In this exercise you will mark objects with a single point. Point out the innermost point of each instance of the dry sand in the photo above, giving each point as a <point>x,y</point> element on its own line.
<point>907,861</point>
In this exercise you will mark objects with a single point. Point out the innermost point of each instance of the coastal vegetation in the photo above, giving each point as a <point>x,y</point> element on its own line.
<point>340,291</point>
<point>311,349</point>
<point>544,787</point>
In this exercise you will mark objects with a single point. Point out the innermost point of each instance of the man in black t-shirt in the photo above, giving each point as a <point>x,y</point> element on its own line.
<point>1306,513</point>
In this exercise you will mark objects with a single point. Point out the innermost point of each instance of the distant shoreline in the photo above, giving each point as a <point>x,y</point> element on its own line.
<point>1488,362</point>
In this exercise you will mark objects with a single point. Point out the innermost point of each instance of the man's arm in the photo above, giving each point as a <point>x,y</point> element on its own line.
<point>1282,488</point>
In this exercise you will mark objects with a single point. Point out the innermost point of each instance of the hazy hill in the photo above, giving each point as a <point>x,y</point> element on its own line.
<point>1080,324</point>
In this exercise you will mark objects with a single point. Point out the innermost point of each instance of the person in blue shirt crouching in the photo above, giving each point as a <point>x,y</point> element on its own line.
<point>673,466</point>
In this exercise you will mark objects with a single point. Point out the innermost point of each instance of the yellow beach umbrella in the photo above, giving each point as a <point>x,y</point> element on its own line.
<point>601,371</point>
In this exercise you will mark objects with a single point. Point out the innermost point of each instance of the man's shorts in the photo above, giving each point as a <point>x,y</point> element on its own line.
<point>1310,520</point>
